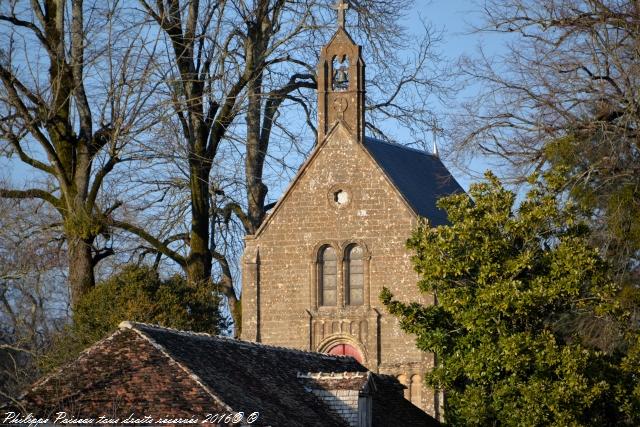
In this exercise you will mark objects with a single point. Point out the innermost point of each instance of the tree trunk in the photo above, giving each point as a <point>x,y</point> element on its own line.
<point>198,267</point>
<point>236,313</point>
<point>81,275</point>
<point>256,151</point>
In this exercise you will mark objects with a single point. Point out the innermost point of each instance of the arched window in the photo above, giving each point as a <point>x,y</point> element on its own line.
<point>354,283</point>
<point>346,350</point>
<point>340,78</point>
<point>327,275</point>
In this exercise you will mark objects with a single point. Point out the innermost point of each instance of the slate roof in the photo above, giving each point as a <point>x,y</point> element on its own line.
<point>420,177</point>
<point>149,370</point>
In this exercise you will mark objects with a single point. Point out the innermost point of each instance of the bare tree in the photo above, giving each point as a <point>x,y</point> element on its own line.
<point>256,60</point>
<point>33,292</point>
<point>70,117</point>
<point>205,81</point>
<point>565,94</point>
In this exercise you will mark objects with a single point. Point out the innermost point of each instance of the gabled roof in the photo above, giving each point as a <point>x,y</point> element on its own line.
<point>340,33</point>
<point>253,377</point>
<point>156,371</point>
<point>420,177</point>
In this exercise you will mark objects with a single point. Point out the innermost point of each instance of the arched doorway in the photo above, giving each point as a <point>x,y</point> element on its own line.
<point>346,350</point>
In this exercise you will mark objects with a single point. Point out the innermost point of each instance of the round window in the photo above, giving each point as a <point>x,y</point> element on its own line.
<point>341,197</point>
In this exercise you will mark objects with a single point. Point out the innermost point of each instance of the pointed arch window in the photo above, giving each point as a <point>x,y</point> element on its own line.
<point>328,275</point>
<point>354,277</point>
<point>340,78</point>
<point>346,350</point>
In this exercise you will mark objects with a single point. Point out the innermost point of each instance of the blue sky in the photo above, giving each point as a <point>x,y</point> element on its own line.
<point>456,18</point>
<point>453,17</point>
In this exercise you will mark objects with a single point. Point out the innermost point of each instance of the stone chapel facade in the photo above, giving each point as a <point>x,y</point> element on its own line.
<point>313,271</point>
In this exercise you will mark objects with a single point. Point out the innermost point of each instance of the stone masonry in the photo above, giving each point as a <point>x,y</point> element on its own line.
<point>280,270</point>
<point>353,195</point>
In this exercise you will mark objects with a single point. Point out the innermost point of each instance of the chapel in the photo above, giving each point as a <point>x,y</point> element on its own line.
<point>314,269</point>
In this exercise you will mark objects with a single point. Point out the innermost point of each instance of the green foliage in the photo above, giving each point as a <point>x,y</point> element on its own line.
<point>136,294</point>
<point>510,289</point>
<point>82,224</point>
<point>600,172</point>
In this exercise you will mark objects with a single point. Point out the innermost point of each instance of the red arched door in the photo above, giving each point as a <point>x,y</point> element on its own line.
<point>346,350</point>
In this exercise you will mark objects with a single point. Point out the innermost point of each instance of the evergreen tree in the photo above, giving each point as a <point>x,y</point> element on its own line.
<point>563,93</point>
<point>136,294</point>
<point>516,292</point>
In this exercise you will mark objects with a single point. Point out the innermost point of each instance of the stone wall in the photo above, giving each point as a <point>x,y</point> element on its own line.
<point>280,272</point>
<point>345,393</point>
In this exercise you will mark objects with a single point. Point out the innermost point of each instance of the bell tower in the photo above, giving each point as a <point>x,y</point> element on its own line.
<point>341,82</point>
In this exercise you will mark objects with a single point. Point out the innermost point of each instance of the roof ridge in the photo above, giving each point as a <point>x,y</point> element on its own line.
<point>128,324</point>
<point>333,375</point>
<point>132,325</point>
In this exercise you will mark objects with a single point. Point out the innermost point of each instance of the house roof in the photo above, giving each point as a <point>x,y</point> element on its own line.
<point>390,408</point>
<point>220,374</point>
<point>253,377</point>
<point>420,177</point>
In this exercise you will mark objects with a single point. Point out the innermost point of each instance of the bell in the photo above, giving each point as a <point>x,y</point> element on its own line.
<point>341,79</point>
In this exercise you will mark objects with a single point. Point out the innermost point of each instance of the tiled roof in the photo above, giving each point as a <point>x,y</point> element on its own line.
<point>156,371</point>
<point>390,408</point>
<point>253,377</point>
<point>420,177</point>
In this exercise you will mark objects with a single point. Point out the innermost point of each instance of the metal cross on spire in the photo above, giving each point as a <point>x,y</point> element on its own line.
<point>341,7</point>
